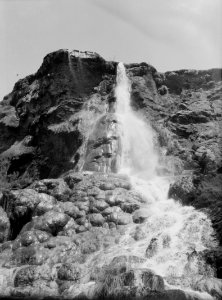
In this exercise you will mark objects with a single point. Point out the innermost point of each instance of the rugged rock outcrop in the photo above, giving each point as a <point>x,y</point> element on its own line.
<point>61,203</point>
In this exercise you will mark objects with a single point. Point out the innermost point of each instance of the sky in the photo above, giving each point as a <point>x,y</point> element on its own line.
<point>169,34</point>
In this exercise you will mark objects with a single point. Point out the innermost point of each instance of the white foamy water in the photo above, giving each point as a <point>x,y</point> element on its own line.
<point>174,232</point>
<point>136,159</point>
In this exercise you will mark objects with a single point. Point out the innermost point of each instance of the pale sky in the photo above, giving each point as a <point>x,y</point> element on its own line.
<point>169,34</point>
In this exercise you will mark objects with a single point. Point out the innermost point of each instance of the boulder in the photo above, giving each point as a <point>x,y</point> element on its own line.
<point>119,218</point>
<point>25,276</point>
<point>69,272</point>
<point>152,248</point>
<point>19,206</point>
<point>123,280</point>
<point>54,187</point>
<point>183,189</point>
<point>70,209</point>
<point>51,222</point>
<point>139,216</point>
<point>46,203</point>
<point>96,219</point>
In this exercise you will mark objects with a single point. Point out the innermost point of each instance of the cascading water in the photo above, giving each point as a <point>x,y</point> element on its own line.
<point>175,233</point>
<point>138,156</point>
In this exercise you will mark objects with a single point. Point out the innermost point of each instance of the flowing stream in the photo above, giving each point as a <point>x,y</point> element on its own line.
<point>173,235</point>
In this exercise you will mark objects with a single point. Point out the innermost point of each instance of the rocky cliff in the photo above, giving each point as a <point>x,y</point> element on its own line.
<point>62,201</point>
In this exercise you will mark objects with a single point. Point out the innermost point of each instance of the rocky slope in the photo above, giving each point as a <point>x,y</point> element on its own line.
<point>56,126</point>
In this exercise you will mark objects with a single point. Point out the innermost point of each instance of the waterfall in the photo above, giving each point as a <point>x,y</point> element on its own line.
<point>138,155</point>
<point>174,234</point>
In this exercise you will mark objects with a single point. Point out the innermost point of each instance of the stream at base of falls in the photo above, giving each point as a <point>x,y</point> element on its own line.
<point>171,237</point>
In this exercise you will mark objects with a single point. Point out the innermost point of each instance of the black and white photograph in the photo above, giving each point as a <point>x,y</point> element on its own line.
<point>111,149</point>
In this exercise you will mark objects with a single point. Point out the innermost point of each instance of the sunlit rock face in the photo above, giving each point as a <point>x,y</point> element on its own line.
<point>82,225</point>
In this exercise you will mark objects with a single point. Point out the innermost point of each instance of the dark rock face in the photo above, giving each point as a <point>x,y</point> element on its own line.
<point>58,129</point>
<point>49,106</point>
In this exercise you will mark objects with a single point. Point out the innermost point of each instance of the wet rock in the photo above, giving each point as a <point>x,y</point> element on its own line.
<point>183,189</point>
<point>83,207</point>
<point>127,260</point>
<point>70,209</point>
<point>27,238</point>
<point>47,203</point>
<point>94,191</point>
<point>212,286</point>
<point>19,206</point>
<point>25,276</point>
<point>33,255</point>
<point>139,234</point>
<point>54,187</point>
<point>73,178</point>
<point>117,280</point>
<point>152,248</point>
<point>69,272</point>
<point>107,186</point>
<point>109,210</point>
<point>81,220</point>
<point>152,281</point>
<point>103,148</point>
<point>130,207</point>
<point>31,237</point>
<point>139,216</point>
<point>51,222</point>
<point>119,218</point>
<point>19,202</point>
<point>4,226</point>
<point>98,206</point>
<point>171,295</point>
<point>166,239</point>
<point>214,258</point>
